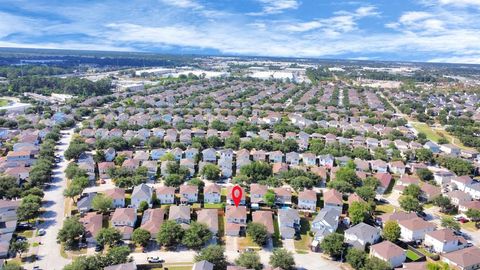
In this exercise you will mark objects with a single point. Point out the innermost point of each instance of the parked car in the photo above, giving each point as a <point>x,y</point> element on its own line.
<point>41,232</point>
<point>154,260</point>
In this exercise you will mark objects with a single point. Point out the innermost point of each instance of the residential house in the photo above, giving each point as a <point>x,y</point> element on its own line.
<point>124,220</point>
<point>384,180</point>
<point>450,149</point>
<point>110,154</point>
<point>283,196</point>
<point>117,195</point>
<point>389,252</point>
<point>464,259</point>
<point>180,214</point>
<point>212,193</point>
<point>265,218</point>
<point>325,223</point>
<point>361,235</point>
<point>209,155</point>
<point>258,155</point>
<point>326,161</point>
<point>152,219</point>
<point>92,222</point>
<point>458,197</point>
<point>397,167</point>
<point>203,265</point>
<point>257,193</point>
<point>229,197</point>
<point>209,217</point>
<point>462,182</point>
<point>141,193</point>
<point>122,266</point>
<point>188,194</point>
<point>236,218</point>
<point>275,157</point>
<point>191,153</point>
<point>157,154</point>
<point>415,229</point>
<point>332,199</point>
<point>444,240</point>
<point>379,166</point>
<point>307,200</point>
<point>288,223</point>
<point>428,191</point>
<point>435,148</point>
<point>443,177</point>
<point>103,169</point>
<point>165,195</point>
<point>292,158</point>
<point>84,203</point>
<point>309,159</point>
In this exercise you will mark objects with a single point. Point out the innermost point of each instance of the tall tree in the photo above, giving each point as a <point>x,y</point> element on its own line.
<point>214,254</point>
<point>391,231</point>
<point>283,259</point>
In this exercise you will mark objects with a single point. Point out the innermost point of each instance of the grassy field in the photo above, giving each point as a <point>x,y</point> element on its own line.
<point>424,128</point>
<point>436,134</point>
<point>27,233</point>
<point>3,102</point>
<point>381,209</point>
<point>303,244</point>
<point>247,242</point>
<point>412,255</point>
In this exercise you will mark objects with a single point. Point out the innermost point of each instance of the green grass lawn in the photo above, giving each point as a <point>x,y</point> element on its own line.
<point>26,234</point>
<point>277,241</point>
<point>469,226</point>
<point>3,102</point>
<point>302,245</point>
<point>424,128</point>
<point>213,205</point>
<point>247,242</point>
<point>412,255</point>
<point>381,209</point>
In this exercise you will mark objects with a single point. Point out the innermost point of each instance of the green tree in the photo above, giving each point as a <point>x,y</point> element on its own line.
<point>410,204</point>
<point>269,198</point>
<point>424,155</point>
<point>214,254</point>
<point>143,206</point>
<point>258,232</point>
<point>72,191</point>
<point>438,266</point>
<point>211,172</point>
<point>443,202</point>
<point>173,180</point>
<point>358,212</point>
<point>366,193</point>
<point>424,174</point>
<point>28,211</point>
<point>19,247</point>
<point>249,260</point>
<point>108,236</point>
<point>412,190</point>
<point>283,259</point>
<point>102,203</point>
<point>451,223</point>
<point>256,171</point>
<point>374,263</point>
<point>474,215</point>
<point>9,188</point>
<point>196,236</point>
<point>71,231</point>
<point>391,231</point>
<point>356,258</point>
<point>116,255</point>
<point>170,234</point>
<point>141,237</point>
<point>332,244</point>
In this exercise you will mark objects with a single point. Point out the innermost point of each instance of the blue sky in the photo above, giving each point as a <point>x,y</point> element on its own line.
<point>417,30</point>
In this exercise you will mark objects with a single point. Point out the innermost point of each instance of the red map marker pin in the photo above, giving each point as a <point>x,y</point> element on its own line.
<point>237,195</point>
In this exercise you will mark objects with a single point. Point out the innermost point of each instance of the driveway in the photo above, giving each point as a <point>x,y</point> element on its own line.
<point>289,244</point>
<point>49,251</point>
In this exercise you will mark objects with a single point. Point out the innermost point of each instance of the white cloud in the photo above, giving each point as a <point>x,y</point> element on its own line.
<point>275,6</point>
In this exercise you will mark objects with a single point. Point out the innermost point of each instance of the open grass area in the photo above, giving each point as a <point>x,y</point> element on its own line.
<point>27,233</point>
<point>435,134</point>
<point>277,241</point>
<point>247,242</point>
<point>386,208</point>
<point>424,128</point>
<point>302,245</point>
<point>469,226</point>
<point>3,102</point>
<point>412,255</point>
<point>213,205</point>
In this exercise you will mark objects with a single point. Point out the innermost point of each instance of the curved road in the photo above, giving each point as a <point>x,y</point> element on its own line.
<point>48,252</point>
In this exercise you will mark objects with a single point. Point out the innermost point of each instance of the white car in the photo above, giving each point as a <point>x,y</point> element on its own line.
<point>154,260</point>
<point>41,232</point>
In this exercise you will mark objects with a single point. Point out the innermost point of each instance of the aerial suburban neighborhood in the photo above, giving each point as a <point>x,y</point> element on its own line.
<point>333,173</point>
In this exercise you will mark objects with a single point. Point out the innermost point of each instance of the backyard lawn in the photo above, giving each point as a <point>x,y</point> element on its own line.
<point>3,102</point>
<point>247,242</point>
<point>381,209</point>
<point>412,255</point>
